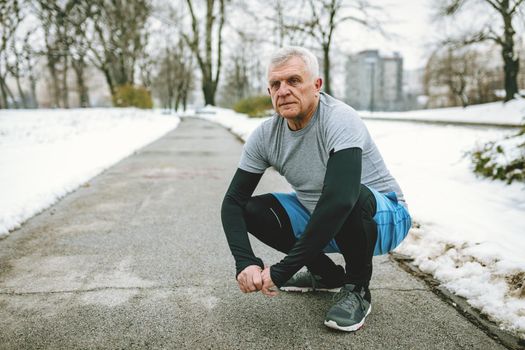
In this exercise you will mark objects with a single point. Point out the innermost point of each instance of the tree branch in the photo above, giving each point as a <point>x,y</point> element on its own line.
<point>515,7</point>
<point>219,44</point>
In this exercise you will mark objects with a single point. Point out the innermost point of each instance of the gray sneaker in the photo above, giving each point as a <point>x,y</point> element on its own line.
<point>350,310</point>
<point>305,281</point>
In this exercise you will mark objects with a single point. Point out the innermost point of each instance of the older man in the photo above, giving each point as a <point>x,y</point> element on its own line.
<point>344,200</point>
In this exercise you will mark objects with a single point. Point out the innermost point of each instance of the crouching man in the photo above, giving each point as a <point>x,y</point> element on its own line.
<point>344,200</point>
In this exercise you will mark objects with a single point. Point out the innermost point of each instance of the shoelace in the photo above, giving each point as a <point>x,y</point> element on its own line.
<point>313,280</point>
<point>347,298</point>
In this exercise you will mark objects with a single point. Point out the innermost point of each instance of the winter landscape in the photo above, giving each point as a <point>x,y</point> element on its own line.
<point>95,91</point>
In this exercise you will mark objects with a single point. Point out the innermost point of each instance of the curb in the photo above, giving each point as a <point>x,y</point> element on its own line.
<point>474,316</point>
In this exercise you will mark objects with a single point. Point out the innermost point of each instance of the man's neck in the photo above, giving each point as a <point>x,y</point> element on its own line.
<point>299,122</point>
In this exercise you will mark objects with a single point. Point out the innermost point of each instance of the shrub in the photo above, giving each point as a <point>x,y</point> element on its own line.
<point>132,96</point>
<point>503,160</point>
<point>254,106</point>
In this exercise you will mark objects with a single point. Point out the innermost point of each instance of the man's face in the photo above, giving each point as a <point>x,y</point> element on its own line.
<point>293,90</point>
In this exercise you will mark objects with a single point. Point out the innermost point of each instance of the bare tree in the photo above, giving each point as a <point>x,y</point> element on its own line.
<point>507,11</point>
<point>243,74</point>
<point>287,18</point>
<point>79,47</point>
<point>117,38</point>
<point>323,20</point>
<point>174,79</point>
<point>236,82</point>
<point>16,71</point>
<point>203,48</point>
<point>55,17</point>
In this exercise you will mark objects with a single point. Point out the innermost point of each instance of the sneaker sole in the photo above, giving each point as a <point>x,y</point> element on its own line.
<point>309,289</point>
<point>352,328</point>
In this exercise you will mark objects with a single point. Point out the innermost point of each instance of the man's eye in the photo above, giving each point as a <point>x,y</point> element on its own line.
<point>293,81</point>
<point>275,85</point>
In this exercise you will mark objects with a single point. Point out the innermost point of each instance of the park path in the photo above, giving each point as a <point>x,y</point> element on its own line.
<point>136,258</point>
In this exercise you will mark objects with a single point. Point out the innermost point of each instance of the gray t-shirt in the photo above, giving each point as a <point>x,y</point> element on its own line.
<point>301,156</point>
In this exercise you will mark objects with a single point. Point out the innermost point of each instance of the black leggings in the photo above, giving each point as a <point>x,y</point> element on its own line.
<point>267,220</point>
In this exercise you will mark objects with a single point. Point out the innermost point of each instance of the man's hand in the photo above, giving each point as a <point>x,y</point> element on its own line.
<point>250,279</point>
<point>267,283</point>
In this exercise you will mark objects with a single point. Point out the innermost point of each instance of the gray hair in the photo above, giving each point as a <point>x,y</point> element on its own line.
<point>282,55</point>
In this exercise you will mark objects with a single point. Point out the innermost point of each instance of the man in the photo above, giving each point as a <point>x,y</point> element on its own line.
<point>345,199</point>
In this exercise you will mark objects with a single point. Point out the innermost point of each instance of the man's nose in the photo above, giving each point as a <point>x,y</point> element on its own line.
<point>283,90</point>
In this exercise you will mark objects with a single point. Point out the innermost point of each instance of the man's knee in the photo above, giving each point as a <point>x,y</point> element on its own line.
<point>366,203</point>
<point>258,212</point>
<point>256,206</point>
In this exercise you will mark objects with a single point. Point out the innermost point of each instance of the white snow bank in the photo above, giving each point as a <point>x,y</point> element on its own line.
<point>44,154</point>
<point>472,230</point>
<point>511,113</point>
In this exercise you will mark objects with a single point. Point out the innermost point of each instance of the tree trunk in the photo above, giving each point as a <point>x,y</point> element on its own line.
<point>23,97</point>
<point>83,95</point>
<point>109,80</point>
<point>32,83</point>
<point>4,93</point>
<point>511,60</point>
<point>326,69</point>
<point>177,101</point>
<point>208,89</point>
<point>65,86</point>
<point>15,73</point>
<point>7,93</point>
<point>185,100</point>
<point>511,69</point>
<point>54,80</point>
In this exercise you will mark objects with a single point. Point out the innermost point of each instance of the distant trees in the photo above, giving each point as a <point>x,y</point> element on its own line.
<point>244,72</point>
<point>460,77</point>
<point>75,44</point>
<point>118,39</point>
<point>174,80</point>
<point>69,36</point>
<point>502,33</point>
<point>58,26</point>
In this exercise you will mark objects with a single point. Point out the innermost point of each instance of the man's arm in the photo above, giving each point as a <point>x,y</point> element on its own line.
<point>340,193</point>
<point>232,213</point>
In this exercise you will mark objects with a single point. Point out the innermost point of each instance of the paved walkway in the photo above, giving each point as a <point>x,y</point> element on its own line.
<point>137,259</point>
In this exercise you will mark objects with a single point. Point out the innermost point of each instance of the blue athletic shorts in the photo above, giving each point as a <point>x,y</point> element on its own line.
<point>392,218</point>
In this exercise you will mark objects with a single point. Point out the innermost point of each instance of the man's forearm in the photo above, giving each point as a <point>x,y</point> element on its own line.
<point>232,214</point>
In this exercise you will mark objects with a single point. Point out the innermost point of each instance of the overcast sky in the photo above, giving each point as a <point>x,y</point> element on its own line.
<point>410,21</point>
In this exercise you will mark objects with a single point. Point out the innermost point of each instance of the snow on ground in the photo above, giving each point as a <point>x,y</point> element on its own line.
<point>44,154</point>
<point>496,113</point>
<point>471,231</point>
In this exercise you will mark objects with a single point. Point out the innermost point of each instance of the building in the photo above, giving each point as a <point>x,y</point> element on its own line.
<point>414,89</point>
<point>375,81</point>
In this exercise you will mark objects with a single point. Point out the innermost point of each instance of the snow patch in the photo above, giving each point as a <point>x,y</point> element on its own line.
<point>45,154</point>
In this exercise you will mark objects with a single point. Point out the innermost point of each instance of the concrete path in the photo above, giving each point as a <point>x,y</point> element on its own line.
<point>137,259</point>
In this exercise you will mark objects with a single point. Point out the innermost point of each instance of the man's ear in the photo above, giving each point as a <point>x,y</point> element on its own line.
<point>318,84</point>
